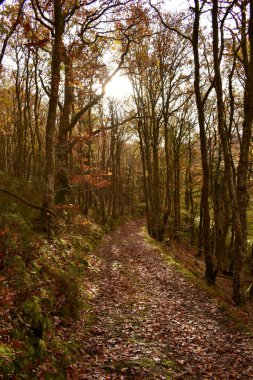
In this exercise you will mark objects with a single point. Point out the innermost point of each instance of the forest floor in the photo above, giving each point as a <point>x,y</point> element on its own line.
<point>149,320</point>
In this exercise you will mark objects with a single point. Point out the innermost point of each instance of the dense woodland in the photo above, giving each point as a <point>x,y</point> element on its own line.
<point>177,150</point>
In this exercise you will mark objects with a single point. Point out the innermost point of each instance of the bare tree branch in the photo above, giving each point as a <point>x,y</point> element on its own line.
<point>22,200</point>
<point>47,91</point>
<point>94,101</point>
<point>167,25</point>
<point>99,130</point>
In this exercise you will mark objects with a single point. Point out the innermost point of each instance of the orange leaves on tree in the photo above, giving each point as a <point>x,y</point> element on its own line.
<point>35,37</point>
<point>36,42</point>
<point>96,180</point>
<point>84,137</point>
<point>27,27</point>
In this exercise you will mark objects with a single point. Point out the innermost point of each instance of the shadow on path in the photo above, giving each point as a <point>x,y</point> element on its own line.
<point>149,322</point>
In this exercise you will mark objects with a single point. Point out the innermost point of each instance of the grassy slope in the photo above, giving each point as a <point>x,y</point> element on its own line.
<point>184,258</point>
<point>41,288</point>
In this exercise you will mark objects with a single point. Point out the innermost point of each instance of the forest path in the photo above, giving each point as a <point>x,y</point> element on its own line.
<point>150,322</point>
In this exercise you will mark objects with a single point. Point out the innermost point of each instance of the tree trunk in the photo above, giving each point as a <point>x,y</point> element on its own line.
<point>62,147</point>
<point>53,100</point>
<point>239,246</point>
<point>243,166</point>
<point>211,269</point>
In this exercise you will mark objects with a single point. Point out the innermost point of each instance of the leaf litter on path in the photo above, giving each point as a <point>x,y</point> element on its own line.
<point>150,322</point>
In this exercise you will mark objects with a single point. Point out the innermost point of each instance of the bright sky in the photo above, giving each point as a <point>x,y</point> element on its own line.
<point>119,87</point>
<point>175,5</point>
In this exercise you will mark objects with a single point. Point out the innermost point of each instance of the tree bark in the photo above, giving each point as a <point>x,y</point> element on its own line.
<point>243,166</point>
<point>53,101</point>
<point>211,268</point>
<point>240,246</point>
<point>62,147</point>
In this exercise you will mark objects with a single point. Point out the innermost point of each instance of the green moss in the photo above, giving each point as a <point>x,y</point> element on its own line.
<point>7,356</point>
<point>48,279</point>
<point>69,287</point>
<point>21,276</point>
<point>90,319</point>
<point>165,253</point>
<point>155,368</point>
<point>187,272</point>
<point>37,348</point>
<point>249,292</point>
<point>160,247</point>
<point>60,375</point>
<point>242,326</point>
<point>17,237</point>
<point>223,306</point>
<point>168,364</point>
<point>81,244</point>
<point>34,317</point>
<point>63,349</point>
<point>143,363</point>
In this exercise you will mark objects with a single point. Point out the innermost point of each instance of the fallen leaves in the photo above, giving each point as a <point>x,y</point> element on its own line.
<point>150,322</point>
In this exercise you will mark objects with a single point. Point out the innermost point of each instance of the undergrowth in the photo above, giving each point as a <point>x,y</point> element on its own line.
<point>41,291</point>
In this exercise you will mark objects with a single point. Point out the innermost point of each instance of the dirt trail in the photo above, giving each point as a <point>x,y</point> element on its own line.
<point>152,323</point>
